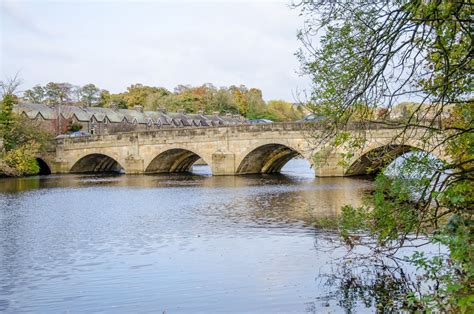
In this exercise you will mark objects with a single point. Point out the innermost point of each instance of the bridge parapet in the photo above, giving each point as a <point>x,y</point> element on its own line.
<point>307,127</point>
<point>187,132</point>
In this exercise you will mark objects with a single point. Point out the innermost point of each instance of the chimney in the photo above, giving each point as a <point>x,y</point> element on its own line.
<point>215,113</point>
<point>113,106</point>
<point>228,115</point>
<point>201,111</point>
<point>181,111</point>
<point>162,109</point>
<point>236,116</point>
<point>138,108</point>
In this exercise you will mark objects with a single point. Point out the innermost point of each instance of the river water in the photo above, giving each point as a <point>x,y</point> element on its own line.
<point>169,243</point>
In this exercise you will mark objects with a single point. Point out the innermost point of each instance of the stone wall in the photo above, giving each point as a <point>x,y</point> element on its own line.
<point>229,150</point>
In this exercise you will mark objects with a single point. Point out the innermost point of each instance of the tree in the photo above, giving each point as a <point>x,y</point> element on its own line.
<point>23,159</point>
<point>155,97</point>
<point>36,95</point>
<point>118,101</point>
<point>8,88</point>
<point>256,104</point>
<point>58,93</point>
<point>7,110</point>
<point>105,99</point>
<point>192,99</point>
<point>10,85</point>
<point>22,138</point>
<point>225,101</point>
<point>281,110</point>
<point>90,94</point>
<point>74,127</point>
<point>363,55</point>
<point>75,95</point>
<point>238,94</point>
<point>141,95</point>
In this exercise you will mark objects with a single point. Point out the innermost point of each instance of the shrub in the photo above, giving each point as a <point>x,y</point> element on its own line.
<point>23,159</point>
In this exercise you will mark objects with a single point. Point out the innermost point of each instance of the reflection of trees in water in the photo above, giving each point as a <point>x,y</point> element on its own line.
<point>372,283</point>
<point>277,200</point>
<point>380,282</point>
<point>272,207</point>
<point>19,184</point>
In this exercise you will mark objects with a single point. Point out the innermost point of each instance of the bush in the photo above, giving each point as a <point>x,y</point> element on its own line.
<point>21,131</point>
<point>74,127</point>
<point>6,170</point>
<point>23,159</point>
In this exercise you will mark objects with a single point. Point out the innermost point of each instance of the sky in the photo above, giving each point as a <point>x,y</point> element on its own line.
<point>114,44</point>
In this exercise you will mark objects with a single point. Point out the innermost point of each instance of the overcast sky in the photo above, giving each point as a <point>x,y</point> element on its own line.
<point>161,43</point>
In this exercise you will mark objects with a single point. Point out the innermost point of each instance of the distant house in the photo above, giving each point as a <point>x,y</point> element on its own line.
<point>426,112</point>
<point>96,120</point>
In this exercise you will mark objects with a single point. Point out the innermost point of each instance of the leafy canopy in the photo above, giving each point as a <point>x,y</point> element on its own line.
<point>364,57</point>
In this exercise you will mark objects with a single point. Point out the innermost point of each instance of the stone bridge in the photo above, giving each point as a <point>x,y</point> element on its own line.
<point>228,150</point>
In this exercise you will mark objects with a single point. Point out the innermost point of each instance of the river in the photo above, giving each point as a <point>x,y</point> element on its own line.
<point>169,243</point>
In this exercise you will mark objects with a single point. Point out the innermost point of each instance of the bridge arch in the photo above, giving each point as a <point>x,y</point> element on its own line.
<point>266,158</point>
<point>374,159</point>
<point>173,160</point>
<point>96,162</point>
<point>44,168</point>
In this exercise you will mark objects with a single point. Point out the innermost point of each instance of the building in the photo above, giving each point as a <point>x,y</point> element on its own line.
<point>96,120</point>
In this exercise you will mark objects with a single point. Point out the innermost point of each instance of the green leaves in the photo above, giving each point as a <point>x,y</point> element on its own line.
<point>6,110</point>
<point>367,56</point>
<point>23,159</point>
<point>22,141</point>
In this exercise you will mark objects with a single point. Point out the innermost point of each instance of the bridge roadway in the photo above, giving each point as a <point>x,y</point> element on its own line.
<point>228,150</point>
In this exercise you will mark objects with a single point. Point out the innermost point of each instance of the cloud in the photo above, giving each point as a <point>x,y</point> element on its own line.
<point>21,21</point>
<point>117,44</point>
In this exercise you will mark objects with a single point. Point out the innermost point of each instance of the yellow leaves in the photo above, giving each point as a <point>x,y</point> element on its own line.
<point>23,159</point>
<point>461,148</point>
<point>283,111</point>
<point>341,138</point>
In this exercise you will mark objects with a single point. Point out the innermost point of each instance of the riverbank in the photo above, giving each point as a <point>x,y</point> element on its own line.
<point>6,171</point>
<point>18,166</point>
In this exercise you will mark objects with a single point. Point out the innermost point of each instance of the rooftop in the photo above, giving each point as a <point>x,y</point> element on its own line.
<point>136,115</point>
